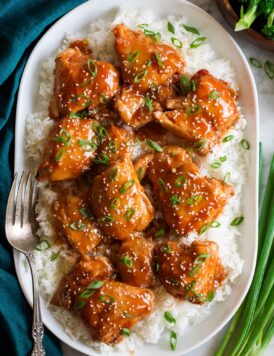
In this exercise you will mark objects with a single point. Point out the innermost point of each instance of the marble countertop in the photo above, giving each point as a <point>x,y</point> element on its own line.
<point>265,88</point>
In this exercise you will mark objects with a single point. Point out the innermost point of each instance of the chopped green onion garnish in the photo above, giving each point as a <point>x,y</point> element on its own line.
<point>173,340</point>
<point>125,332</point>
<point>210,296</point>
<point>148,63</point>
<point>228,138</point>
<point>107,219</point>
<point>130,212</point>
<point>148,103</point>
<point>112,146</point>
<point>101,158</point>
<point>100,130</point>
<point>143,25</point>
<point>60,153</point>
<point>185,84</point>
<point>237,221</point>
<point>204,229</point>
<point>43,245</point>
<point>200,144</point>
<point>255,62</point>
<point>140,173</point>
<point>113,173</point>
<point>154,145</point>
<point>198,42</point>
<point>226,177</point>
<point>215,95</point>
<point>107,299</point>
<point>245,144</point>
<point>194,200</point>
<point>86,213</point>
<point>156,36</point>
<point>126,186</point>
<point>80,304</point>
<point>64,137</point>
<point>115,203</point>
<point>156,267</point>
<point>194,271</point>
<point>126,261</point>
<point>215,224</point>
<point>201,258</point>
<point>103,99</point>
<point>215,165</point>
<point>95,285</point>
<point>189,286</point>
<point>87,293</point>
<point>140,76</point>
<point>159,60</point>
<point>169,317</point>
<point>191,29</point>
<point>160,233</point>
<point>78,115</point>
<point>162,184</point>
<point>92,67</point>
<point>269,69</point>
<point>166,248</point>
<point>54,256</point>
<point>223,159</point>
<point>180,181</point>
<point>194,109</point>
<point>77,226</point>
<point>170,27</point>
<point>176,42</point>
<point>133,56</point>
<point>174,200</point>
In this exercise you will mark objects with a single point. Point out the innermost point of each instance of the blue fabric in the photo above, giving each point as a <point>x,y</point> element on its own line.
<point>22,22</point>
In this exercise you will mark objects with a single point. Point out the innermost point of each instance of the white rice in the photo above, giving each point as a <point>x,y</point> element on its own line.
<point>151,329</point>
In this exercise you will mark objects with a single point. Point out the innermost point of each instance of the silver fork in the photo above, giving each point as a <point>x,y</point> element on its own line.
<point>19,217</point>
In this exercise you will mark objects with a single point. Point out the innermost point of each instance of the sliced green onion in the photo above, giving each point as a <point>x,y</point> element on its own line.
<point>156,36</point>
<point>95,285</point>
<point>130,212</point>
<point>189,286</point>
<point>215,224</point>
<point>156,267</point>
<point>185,85</point>
<point>60,153</point>
<point>86,213</point>
<point>112,146</point>
<point>54,256</point>
<point>125,332</point>
<point>107,299</point>
<point>64,137</point>
<point>194,270</point>
<point>269,69</point>
<point>204,229</point>
<point>87,293</point>
<point>159,60</point>
<point>169,317</point>
<point>133,56</point>
<point>113,173</point>
<point>174,200</point>
<point>215,165</point>
<point>80,304</point>
<point>78,115</point>
<point>143,25</point>
<point>115,203</point>
<point>107,219</point>
<point>103,99</point>
<point>199,144</point>
<point>154,145</point>
<point>214,95</point>
<point>198,42</point>
<point>180,182</point>
<point>140,76</point>
<point>245,144</point>
<point>100,130</point>
<point>140,173</point>
<point>237,221</point>
<point>201,258</point>
<point>228,138</point>
<point>166,248</point>
<point>126,261</point>
<point>191,29</point>
<point>170,27</point>
<point>255,62</point>
<point>173,340</point>
<point>176,42</point>
<point>101,158</point>
<point>210,296</point>
<point>223,159</point>
<point>148,103</point>
<point>92,67</point>
<point>194,200</point>
<point>160,233</point>
<point>126,186</point>
<point>43,245</point>
<point>194,109</point>
<point>227,177</point>
<point>77,226</point>
<point>162,185</point>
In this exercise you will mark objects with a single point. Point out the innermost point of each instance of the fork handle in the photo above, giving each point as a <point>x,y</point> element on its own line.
<point>37,324</point>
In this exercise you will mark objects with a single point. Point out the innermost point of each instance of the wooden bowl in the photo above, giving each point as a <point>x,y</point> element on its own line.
<point>254,37</point>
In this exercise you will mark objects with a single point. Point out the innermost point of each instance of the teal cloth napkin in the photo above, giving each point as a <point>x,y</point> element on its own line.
<point>22,22</point>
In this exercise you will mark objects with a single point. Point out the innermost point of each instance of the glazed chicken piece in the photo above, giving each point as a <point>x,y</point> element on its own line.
<point>135,261</point>
<point>192,273</point>
<point>144,61</point>
<point>77,223</point>
<point>204,115</point>
<point>188,200</point>
<point>81,82</point>
<point>85,272</point>
<point>118,144</point>
<point>70,150</point>
<point>119,202</point>
<point>141,165</point>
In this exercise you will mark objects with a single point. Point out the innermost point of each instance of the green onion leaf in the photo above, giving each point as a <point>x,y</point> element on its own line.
<point>160,233</point>
<point>170,27</point>
<point>204,229</point>
<point>215,224</point>
<point>87,293</point>
<point>143,25</point>
<point>194,200</point>
<point>210,296</point>
<point>60,153</point>
<point>101,158</point>
<point>215,165</point>
<point>126,261</point>
<point>198,42</point>
<point>126,186</point>
<point>80,304</point>
<point>92,67</point>
<point>191,29</point>
<point>107,299</point>
<point>133,56</point>
<point>201,258</point>
<point>194,109</point>
<point>223,159</point>
<point>140,76</point>
<point>237,221</point>
<point>130,212</point>
<point>113,173</point>
<point>154,145</point>
<point>269,69</point>
<point>95,285</point>
<point>176,42</point>
<point>156,36</point>
<point>228,138</point>
<point>245,144</point>
<point>156,267</point>
<point>148,103</point>
<point>140,173</point>
<point>125,332</point>
<point>112,146</point>
<point>174,200</point>
<point>185,85</point>
<point>255,62</point>
<point>173,340</point>
<point>115,203</point>
<point>169,317</point>
<point>180,182</point>
<point>159,60</point>
<point>189,286</point>
<point>199,144</point>
<point>77,226</point>
<point>214,95</point>
<point>166,248</point>
<point>64,137</point>
<point>43,245</point>
<point>226,177</point>
<point>107,219</point>
<point>162,185</point>
<point>54,256</point>
<point>86,213</point>
<point>194,271</point>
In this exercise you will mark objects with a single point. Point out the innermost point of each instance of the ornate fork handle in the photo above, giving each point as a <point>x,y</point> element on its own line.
<point>37,324</point>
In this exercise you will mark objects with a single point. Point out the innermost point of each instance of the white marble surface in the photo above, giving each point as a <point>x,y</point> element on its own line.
<point>265,88</point>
